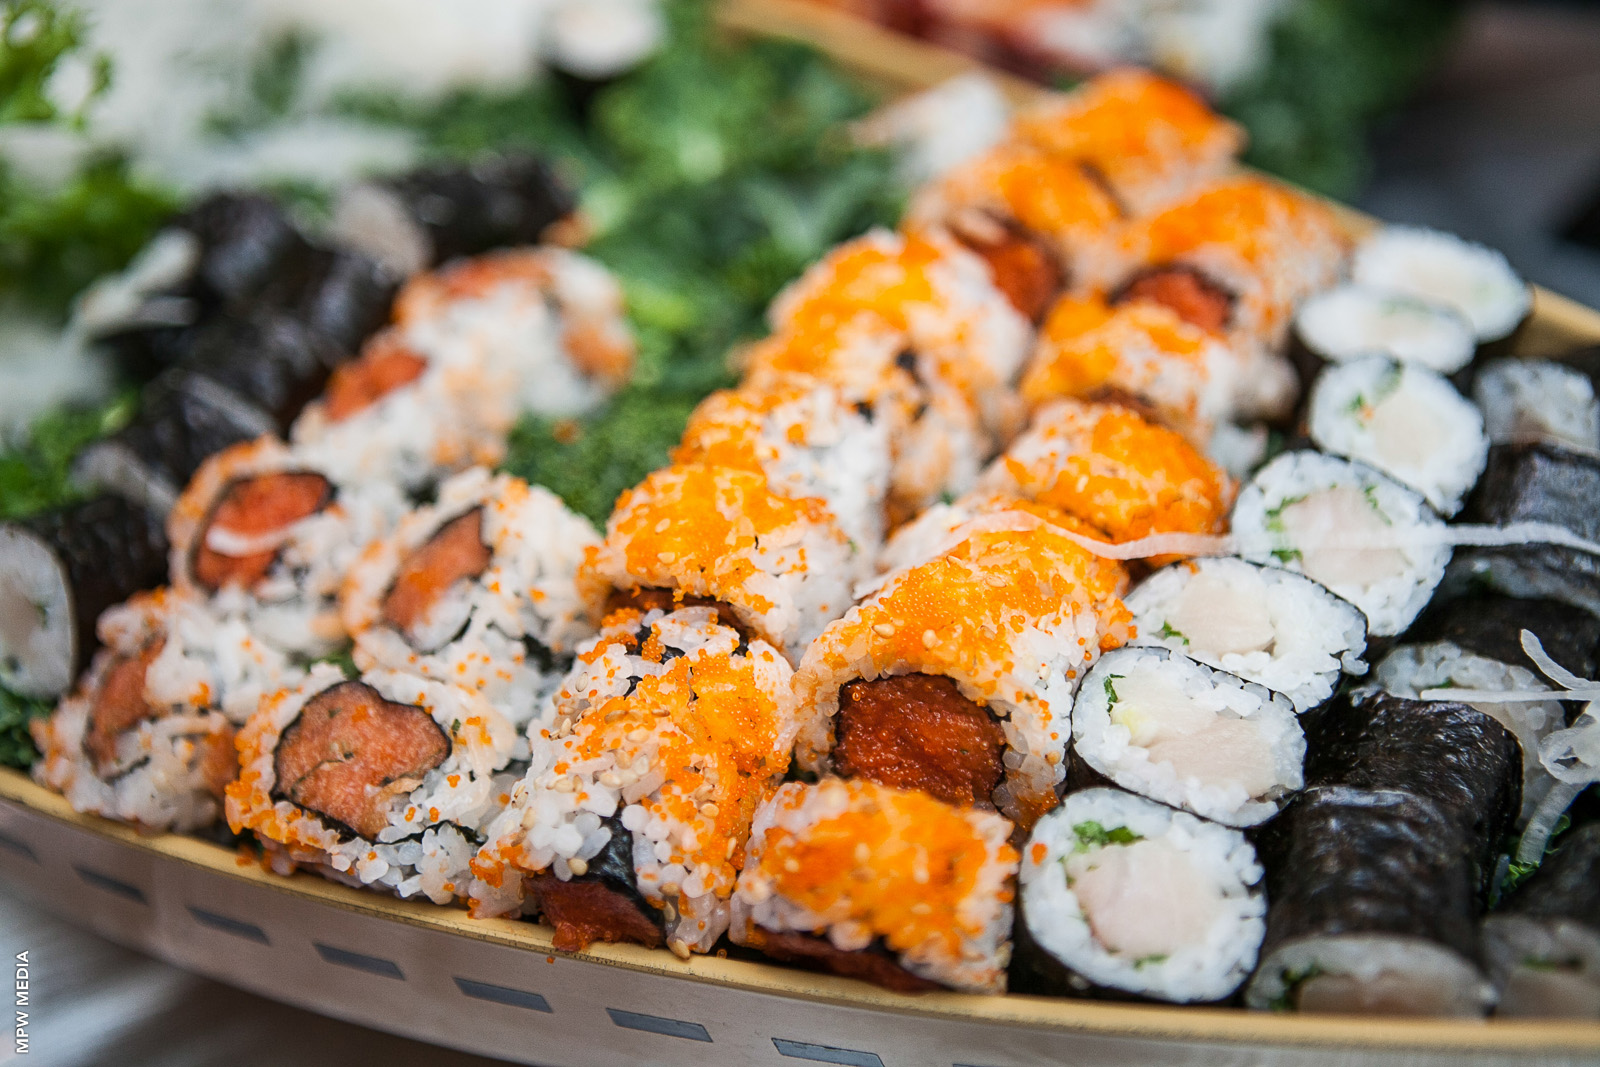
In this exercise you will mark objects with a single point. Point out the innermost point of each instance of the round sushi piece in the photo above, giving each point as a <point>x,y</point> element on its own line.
<point>1266,625</point>
<point>1405,420</point>
<point>1159,724</point>
<point>264,536</point>
<point>1372,910</point>
<point>1108,466</point>
<point>809,441</point>
<point>1124,895</point>
<point>667,736</point>
<point>957,676</point>
<point>1365,537</point>
<point>58,571</point>
<point>1151,140</point>
<point>779,566</point>
<point>884,884</point>
<point>1351,321</point>
<point>147,737</point>
<point>1477,281</point>
<point>1543,944</point>
<point>1525,400</point>
<point>480,589</point>
<point>420,776</point>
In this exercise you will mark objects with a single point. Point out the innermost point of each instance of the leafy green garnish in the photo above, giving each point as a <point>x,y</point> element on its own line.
<point>1168,632</point>
<point>16,712</point>
<point>35,36</point>
<point>35,473</point>
<point>1517,873</point>
<point>1371,493</point>
<point>1292,981</point>
<point>1111,691</point>
<point>1091,834</point>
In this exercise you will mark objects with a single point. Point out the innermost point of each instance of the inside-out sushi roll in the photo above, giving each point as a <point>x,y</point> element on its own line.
<point>1164,726</point>
<point>1349,322</point>
<point>1364,536</point>
<point>1543,944</point>
<point>479,589</point>
<point>1404,420</point>
<point>403,808</point>
<point>1128,897</point>
<point>884,884</point>
<point>1477,281</point>
<point>1526,400</point>
<point>631,821</point>
<point>1264,624</point>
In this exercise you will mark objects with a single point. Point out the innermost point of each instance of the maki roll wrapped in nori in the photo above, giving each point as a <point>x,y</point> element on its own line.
<point>1373,907</point>
<point>1349,322</point>
<point>346,297</point>
<point>1526,400</point>
<point>58,571</point>
<point>1477,281</point>
<point>1543,943</point>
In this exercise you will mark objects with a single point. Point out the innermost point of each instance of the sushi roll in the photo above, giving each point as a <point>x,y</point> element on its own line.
<point>479,589</point>
<point>1544,942</point>
<point>249,250</point>
<point>148,736</point>
<point>262,535</point>
<point>631,821</point>
<point>1266,625</point>
<point>1543,483</point>
<point>1149,139</point>
<point>346,297</point>
<point>775,566</point>
<point>957,677</point>
<point>1349,322</point>
<point>1476,281</point>
<point>58,571</point>
<point>887,885</point>
<point>1373,908</point>
<point>1125,897</point>
<point>1528,400</point>
<point>1404,420</point>
<point>269,358</point>
<point>1365,537</point>
<point>402,810</point>
<point>1159,724</point>
<point>809,441</point>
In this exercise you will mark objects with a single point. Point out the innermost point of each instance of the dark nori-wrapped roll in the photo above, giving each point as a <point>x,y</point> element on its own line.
<point>1536,482</point>
<point>269,358</point>
<point>1491,626</point>
<point>1544,942</point>
<point>1452,754</point>
<point>58,572</point>
<point>603,903</point>
<point>248,245</point>
<point>346,297</point>
<point>1371,907</point>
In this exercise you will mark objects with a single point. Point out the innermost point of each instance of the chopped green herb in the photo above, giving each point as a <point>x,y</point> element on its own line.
<point>1286,555</point>
<point>455,726</point>
<point>1517,873</point>
<point>1150,961</point>
<point>1092,835</point>
<point>1111,692</point>
<point>1371,493</point>
<point>1168,632</point>
<point>35,472</point>
<point>16,712</point>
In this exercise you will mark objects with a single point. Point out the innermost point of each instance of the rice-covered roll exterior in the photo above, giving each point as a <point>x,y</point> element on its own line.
<point>481,589</point>
<point>1525,400</point>
<point>1164,726</point>
<point>667,735</point>
<point>265,536</point>
<point>147,738</point>
<point>779,566</point>
<point>1353,321</point>
<point>957,676</point>
<point>1266,625</point>
<point>1108,466</point>
<point>1477,281</point>
<point>1150,139</point>
<point>1372,908</point>
<point>1365,537</point>
<point>1128,897</point>
<point>807,438</point>
<point>1404,420</point>
<point>883,884</point>
<point>418,775</point>
<point>1543,944</point>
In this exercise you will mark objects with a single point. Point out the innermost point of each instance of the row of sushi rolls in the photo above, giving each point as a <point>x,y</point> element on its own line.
<point>1017,622</point>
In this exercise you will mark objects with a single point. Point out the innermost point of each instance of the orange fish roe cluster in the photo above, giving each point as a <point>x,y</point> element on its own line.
<point>858,862</point>
<point>1257,220</point>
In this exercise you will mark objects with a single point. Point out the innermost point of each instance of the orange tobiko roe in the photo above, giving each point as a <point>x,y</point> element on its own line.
<point>1253,217</point>
<point>1081,346</point>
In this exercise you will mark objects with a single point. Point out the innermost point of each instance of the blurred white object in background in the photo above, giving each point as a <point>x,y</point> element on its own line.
<point>599,39</point>
<point>940,128</point>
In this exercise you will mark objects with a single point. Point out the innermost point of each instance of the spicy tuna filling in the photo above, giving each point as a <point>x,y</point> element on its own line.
<point>1022,268</point>
<point>916,731</point>
<point>419,602</point>
<point>1190,295</point>
<point>351,753</point>
<point>119,705</point>
<point>239,543</point>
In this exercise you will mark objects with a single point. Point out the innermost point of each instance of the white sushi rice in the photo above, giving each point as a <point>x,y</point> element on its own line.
<point>1353,321</point>
<point>1161,725</point>
<point>1406,421</point>
<point>1364,536</point>
<point>1479,282</point>
<point>1543,966</point>
<point>1341,973</point>
<point>1131,895</point>
<point>1266,625</point>
<point>1527,400</point>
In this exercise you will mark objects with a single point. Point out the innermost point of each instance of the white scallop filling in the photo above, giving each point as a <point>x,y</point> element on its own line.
<point>1340,561</point>
<point>1527,400</point>
<point>1475,280</point>
<point>1352,321</point>
<point>1145,899</point>
<point>1199,740</point>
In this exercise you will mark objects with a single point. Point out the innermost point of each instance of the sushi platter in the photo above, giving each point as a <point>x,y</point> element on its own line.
<point>1131,612</point>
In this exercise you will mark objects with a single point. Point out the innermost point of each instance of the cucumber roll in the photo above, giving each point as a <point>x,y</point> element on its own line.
<point>1527,400</point>
<point>1266,625</point>
<point>1126,897</point>
<point>479,589</point>
<point>1350,322</point>
<point>1477,281</point>
<point>883,884</point>
<point>1161,725</point>
<point>420,775</point>
<point>666,737</point>
<point>1311,513</point>
<point>1404,420</point>
<point>58,571</point>
<point>1372,909</point>
<point>1544,942</point>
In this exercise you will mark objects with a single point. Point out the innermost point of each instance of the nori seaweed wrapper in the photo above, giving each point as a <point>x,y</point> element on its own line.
<point>248,245</point>
<point>1491,626</point>
<point>612,868</point>
<point>269,359</point>
<point>1536,482</point>
<point>491,203</point>
<point>1452,754</point>
<point>1567,883</point>
<point>346,297</point>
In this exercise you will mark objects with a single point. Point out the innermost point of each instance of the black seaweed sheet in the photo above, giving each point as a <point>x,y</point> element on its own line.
<point>248,245</point>
<point>1491,626</point>
<point>269,359</point>
<point>495,202</point>
<point>1567,883</point>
